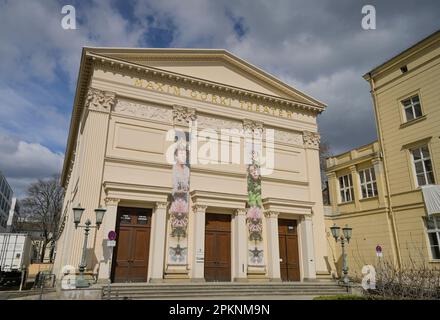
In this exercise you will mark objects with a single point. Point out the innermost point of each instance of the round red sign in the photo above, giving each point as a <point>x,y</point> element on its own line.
<point>378,249</point>
<point>112,235</point>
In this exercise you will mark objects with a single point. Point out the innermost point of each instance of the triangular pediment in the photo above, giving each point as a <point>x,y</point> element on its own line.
<point>213,65</point>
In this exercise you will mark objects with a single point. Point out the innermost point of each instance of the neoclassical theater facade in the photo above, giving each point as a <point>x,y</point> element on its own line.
<point>208,168</point>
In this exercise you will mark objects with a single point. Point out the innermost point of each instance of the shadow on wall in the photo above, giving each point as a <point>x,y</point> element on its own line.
<point>333,265</point>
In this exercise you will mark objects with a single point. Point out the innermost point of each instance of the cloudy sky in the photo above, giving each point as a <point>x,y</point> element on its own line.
<point>317,46</point>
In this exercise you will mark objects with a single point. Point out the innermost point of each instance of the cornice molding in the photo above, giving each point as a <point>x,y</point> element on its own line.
<point>121,65</point>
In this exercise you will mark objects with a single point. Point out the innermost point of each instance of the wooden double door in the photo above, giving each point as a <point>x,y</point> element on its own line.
<point>217,247</point>
<point>289,256</point>
<point>130,259</point>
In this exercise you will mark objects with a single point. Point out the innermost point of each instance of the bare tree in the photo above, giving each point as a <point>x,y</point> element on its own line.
<point>43,206</point>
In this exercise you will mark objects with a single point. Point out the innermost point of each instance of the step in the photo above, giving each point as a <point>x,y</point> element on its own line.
<point>228,284</point>
<point>229,295</point>
<point>183,292</point>
<point>201,290</point>
<point>234,287</point>
<point>224,292</point>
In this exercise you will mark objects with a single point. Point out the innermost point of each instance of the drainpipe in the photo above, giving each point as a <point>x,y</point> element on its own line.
<point>389,204</point>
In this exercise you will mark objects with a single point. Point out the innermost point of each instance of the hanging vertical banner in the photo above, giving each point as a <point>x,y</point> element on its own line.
<point>179,209</point>
<point>254,216</point>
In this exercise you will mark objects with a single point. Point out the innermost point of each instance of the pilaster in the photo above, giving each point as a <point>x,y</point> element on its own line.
<point>109,224</point>
<point>198,258</point>
<point>308,248</point>
<point>380,181</point>
<point>356,187</point>
<point>241,245</point>
<point>316,240</point>
<point>158,237</point>
<point>95,124</point>
<point>333,190</point>
<point>273,254</point>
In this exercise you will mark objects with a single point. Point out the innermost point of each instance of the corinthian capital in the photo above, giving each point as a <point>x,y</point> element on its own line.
<point>271,214</point>
<point>199,208</point>
<point>311,139</point>
<point>183,115</point>
<point>161,205</point>
<point>99,100</point>
<point>239,212</point>
<point>111,201</point>
<point>250,126</point>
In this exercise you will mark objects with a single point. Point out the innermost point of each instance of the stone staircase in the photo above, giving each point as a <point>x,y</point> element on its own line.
<point>220,290</point>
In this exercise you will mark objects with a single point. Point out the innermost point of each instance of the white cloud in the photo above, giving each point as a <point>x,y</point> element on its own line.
<point>318,47</point>
<point>23,162</point>
<point>349,118</point>
<point>35,46</point>
<point>31,120</point>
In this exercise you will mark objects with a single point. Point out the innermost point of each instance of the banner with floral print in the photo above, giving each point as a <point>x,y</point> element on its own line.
<point>254,216</point>
<point>179,209</point>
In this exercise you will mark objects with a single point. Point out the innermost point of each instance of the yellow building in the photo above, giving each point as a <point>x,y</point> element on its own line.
<point>404,160</point>
<point>139,115</point>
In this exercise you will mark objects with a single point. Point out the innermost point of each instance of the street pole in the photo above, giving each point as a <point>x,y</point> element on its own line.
<point>344,262</point>
<point>81,282</point>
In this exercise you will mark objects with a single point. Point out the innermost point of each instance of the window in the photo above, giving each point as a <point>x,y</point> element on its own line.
<point>346,188</point>
<point>368,183</point>
<point>412,108</point>
<point>433,229</point>
<point>422,166</point>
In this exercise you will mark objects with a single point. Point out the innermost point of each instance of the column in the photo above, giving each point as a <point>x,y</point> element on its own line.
<point>356,186</point>
<point>158,241</point>
<point>273,245</point>
<point>198,258</point>
<point>307,243</point>
<point>240,243</point>
<point>108,224</point>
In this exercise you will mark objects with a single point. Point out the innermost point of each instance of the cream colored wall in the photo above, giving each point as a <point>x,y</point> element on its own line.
<point>369,221</point>
<point>422,78</point>
<point>412,236</point>
<point>369,230</point>
<point>126,146</point>
<point>367,216</point>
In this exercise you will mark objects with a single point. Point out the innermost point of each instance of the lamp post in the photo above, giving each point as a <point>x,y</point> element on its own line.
<point>346,235</point>
<point>77,214</point>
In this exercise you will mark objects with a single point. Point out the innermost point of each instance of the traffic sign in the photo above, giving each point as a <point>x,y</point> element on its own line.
<point>112,235</point>
<point>379,251</point>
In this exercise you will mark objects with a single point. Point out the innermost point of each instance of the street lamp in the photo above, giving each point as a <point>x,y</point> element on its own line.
<point>346,235</point>
<point>77,214</point>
